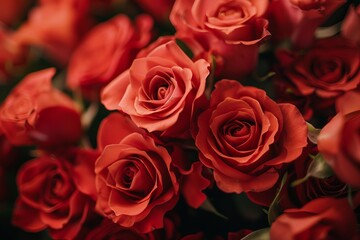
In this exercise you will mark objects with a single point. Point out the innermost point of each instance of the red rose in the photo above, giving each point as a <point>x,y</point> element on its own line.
<point>55,193</point>
<point>161,92</point>
<point>106,51</point>
<point>339,142</point>
<point>13,56</point>
<point>324,72</point>
<point>66,22</point>
<point>323,218</point>
<point>245,137</point>
<point>225,28</point>
<point>35,112</point>
<point>135,184</point>
<point>302,193</point>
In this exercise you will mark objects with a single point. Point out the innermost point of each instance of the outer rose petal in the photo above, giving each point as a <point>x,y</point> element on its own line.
<point>323,217</point>
<point>193,184</point>
<point>33,223</point>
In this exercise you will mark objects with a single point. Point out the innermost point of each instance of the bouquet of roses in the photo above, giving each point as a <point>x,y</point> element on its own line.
<point>180,119</point>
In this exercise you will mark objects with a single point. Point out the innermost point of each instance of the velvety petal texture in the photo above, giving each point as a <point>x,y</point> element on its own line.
<point>53,196</point>
<point>135,183</point>
<point>245,137</point>
<point>161,91</point>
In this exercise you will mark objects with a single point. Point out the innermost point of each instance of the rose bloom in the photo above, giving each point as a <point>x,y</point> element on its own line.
<point>323,218</point>
<point>56,193</point>
<point>338,141</point>
<point>324,72</point>
<point>161,91</point>
<point>245,137</point>
<point>35,112</point>
<point>106,51</point>
<point>135,184</point>
<point>225,28</point>
<point>302,193</point>
<point>56,27</point>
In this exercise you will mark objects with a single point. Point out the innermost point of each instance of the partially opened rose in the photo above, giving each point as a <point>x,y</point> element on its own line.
<point>323,218</point>
<point>135,183</point>
<point>245,137</point>
<point>338,141</point>
<point>36,113</point>
<point>56,193</point>
<point>226,29</point>
<point>161,91</point>
<point>106,51</point>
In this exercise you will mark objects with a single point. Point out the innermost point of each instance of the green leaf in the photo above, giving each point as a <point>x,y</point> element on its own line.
<point>185,48</point>
<point>319,168</point>
<point>208,206</point>
<point>313,133</point>
<point>274,208</point>
<point>261,234</point>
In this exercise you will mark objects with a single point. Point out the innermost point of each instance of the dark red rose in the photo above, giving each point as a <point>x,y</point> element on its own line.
<point>161,92</point>
<point>339,140</point>
<point>35,112</point>
<point>323,218</point>
<point>245,137</point>
<point>135,183</point>
<point>106,51</point>
<point>304,192</point>
<point>56,194</point>
<point>322,73</point>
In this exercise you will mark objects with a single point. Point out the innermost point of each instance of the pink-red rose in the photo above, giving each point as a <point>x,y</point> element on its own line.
<point>224,28</point>
<point>245,137</point>
<point>35,112</point>
<point>323,218</point>
<point>339,140</point>
<point>56,193</point>
<point>106,51</point>
<point>161,91</point>
<point>135,183</point>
